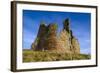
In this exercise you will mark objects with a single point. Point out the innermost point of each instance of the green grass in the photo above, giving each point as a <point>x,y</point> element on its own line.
<point>38,56</point>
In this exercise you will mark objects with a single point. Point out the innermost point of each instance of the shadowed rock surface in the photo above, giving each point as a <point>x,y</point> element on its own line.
<point>47,39</point>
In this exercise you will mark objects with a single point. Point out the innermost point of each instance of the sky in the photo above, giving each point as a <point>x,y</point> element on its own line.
<point>80,24</point>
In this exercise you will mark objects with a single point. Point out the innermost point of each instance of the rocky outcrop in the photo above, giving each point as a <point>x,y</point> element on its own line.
<point>47,39</point>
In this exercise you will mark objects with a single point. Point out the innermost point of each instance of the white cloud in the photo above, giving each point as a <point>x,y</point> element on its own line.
<point>85,51</point>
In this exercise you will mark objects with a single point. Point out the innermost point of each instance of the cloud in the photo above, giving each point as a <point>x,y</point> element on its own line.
<point>85,45</point>
<point>85,51</point>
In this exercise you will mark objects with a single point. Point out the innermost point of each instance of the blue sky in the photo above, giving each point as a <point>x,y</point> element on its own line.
<point>80,24</point>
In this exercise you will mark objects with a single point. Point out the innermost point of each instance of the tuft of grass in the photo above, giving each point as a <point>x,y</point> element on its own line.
<point>38,56</point>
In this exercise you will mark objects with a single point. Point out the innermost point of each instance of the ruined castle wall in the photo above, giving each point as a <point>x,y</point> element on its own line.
<point>47,39</point>
<point>51,38</point>
<point>63,42</point>
<point>39,42</point>
<point>76,47</point>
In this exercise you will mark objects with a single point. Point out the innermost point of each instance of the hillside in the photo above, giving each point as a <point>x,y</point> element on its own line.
<point>42,56</point>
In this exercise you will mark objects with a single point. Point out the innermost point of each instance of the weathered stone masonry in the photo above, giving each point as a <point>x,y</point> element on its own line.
<point>47,39</point>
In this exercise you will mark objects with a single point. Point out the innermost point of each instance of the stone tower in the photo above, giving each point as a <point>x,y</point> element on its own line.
<point>51,37</point>
<point>66,24</point>
<point>39,42</point>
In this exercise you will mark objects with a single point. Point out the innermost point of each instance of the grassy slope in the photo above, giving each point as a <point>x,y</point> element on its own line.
<point>36,56</point>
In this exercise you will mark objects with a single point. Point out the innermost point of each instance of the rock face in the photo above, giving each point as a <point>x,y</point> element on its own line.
<point>47,39</point>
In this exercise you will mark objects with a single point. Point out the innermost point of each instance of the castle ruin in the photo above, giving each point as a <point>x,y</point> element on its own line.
<point>48,40</point>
